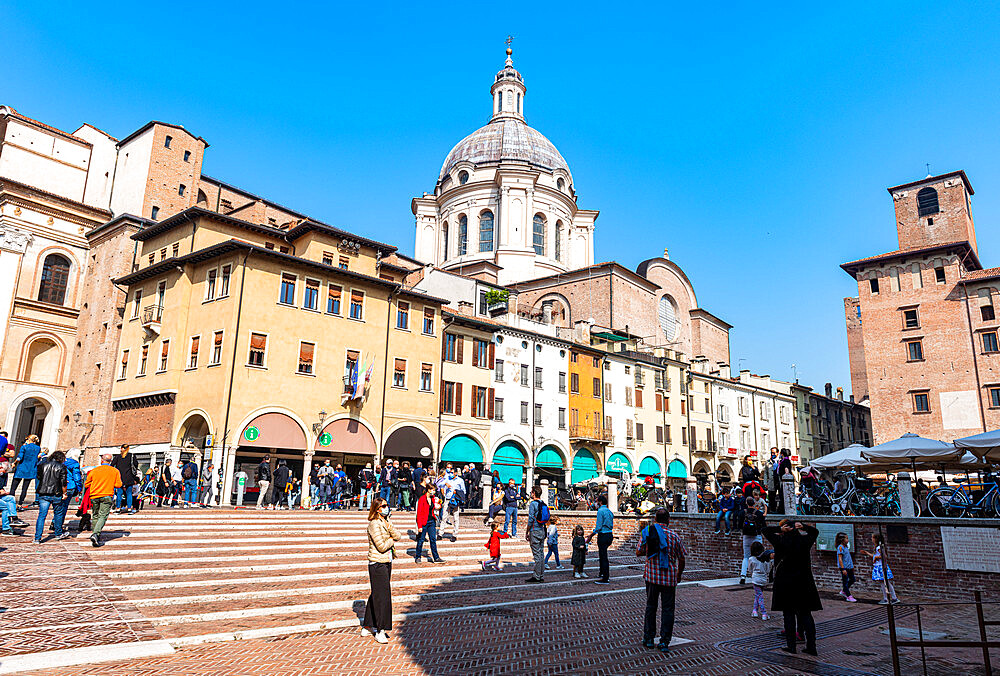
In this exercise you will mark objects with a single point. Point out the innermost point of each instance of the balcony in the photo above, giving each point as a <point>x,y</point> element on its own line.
<point>640,379</point>
<point>590,433</point>
<point>152,316</point>
<point>629,442</point>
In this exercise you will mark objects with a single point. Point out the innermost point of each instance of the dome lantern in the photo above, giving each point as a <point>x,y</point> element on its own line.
<point>508,91</point>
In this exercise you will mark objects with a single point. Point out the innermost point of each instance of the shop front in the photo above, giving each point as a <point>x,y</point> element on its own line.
<point>677,475</point>
<point>273,434</point>
<point>650,467</point>
<point>549,465</point>
<point>409,443</point>
<point>584,466</point>
<point>618,464</point>
<point>509,461</point>
<point>346,442</point>
<point>462,449</point>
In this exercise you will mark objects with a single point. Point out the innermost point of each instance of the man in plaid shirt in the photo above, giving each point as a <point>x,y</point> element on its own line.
<point>664,568</point>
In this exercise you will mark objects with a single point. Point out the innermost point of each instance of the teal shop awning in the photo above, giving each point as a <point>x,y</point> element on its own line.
<point>549,457</point>
<point>617,463</point>
<point>649,467</point>
<point>584,466</point>
<point>462,448</point>
<point>509,462</point>
<point>677,470</point>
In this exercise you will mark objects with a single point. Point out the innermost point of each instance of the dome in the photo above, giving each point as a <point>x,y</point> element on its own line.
<point>505,139</point>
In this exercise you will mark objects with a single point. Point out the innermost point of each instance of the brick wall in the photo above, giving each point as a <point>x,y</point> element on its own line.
<point>145,424</point>
<point>953,223</point>
<point>918,565</point>
<point>856,349</point>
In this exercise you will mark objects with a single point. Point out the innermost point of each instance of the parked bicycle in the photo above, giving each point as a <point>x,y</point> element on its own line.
<point>961,500</point>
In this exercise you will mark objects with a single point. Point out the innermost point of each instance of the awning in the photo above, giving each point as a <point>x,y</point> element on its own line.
<point>273,430</point>
<point>677,470</point>
<point>509,461</point>
<point>649,467</point>
<point>549,457</point>
<point>462,448</point>
<point>346,435</point>
<point>618,463</point>
<point>584,466</point>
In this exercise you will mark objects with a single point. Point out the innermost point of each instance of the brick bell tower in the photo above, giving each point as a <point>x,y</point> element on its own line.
<point>935,210</point>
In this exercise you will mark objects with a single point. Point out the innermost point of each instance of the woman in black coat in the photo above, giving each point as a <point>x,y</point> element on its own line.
<point>795,593</point>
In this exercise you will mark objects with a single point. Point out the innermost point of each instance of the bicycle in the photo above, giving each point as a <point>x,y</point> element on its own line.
<point>956,502</point>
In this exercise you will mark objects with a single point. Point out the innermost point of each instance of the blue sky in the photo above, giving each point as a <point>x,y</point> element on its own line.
<point>755,142</point>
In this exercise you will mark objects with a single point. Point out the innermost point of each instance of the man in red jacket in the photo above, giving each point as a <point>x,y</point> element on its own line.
<point>427,512</point>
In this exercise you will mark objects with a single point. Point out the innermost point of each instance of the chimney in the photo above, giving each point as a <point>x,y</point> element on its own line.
<point>724,371</point>
<point>547,312</point>
<point>828,388</point>
<point>465,308</point>
<point>840,393</point>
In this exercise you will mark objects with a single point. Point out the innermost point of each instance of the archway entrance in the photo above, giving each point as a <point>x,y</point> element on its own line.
<point>461,449</point>
<point>549,465</point>
<point>274,434</point>
<point>584,466</point>
<point>677,474</point>
<point>408,442</point>
<point>508,459</point>
<point>29,418</point>
<point>650,467</point>
<point>617,464</point>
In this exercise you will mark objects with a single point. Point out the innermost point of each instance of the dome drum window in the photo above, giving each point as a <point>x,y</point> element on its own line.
<point>538,234</point>
<point>463,177</point>
<point>486,231</point>
<point>55,279</point>
<point>463,235</point>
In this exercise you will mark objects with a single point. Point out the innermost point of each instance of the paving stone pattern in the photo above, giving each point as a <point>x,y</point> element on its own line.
<point>253,592</point>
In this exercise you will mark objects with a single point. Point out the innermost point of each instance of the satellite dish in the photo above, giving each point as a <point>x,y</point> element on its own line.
<point>426,452</point>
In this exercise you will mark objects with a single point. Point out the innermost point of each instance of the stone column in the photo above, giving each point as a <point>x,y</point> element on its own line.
<point>544,485</point>
<point>529,481</point>
<point>486,486</point>
<point>613,496</point>
<point>692,495</point>
<point>307,464</point>
<point>788,494</point>
<point>905,495</point>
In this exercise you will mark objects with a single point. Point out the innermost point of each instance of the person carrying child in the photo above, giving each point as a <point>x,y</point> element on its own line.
<point>880,575</point>
<point>758,569</point>
<point>846,565</point>
<point>496,534</point>
<point>579,552</point>
<point>552,541</point>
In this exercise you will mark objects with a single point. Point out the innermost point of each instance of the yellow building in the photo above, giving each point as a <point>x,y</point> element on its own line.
<point>587,432</point>
<point>243,339</point>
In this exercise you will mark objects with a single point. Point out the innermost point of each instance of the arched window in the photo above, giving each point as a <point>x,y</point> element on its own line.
<point>558,245</point>
<point>463,177</point>
<point>927,202</point>
<point>444,241</point>
<point>668,317</point>
<point>486,231</point>
<point>55,278</point>
<point>538,234</point>
<point>519,103</point>
<point>499,101</point>
<point>561,184</point>
<point>463,235</point>
<point>202,197</point>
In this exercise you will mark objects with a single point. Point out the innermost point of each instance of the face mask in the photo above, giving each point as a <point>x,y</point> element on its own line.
<point>450,475</point>
<point>385,511</point>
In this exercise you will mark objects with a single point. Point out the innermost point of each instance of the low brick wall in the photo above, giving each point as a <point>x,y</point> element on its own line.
<point>918,565</point>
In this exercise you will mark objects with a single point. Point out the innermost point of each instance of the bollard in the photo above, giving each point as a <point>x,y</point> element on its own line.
<point>544,483</point>
<point>692,496</point>
<point>486,486</point>
<point>788,494</point>
<point>905,495</point>
<point>613,496</point>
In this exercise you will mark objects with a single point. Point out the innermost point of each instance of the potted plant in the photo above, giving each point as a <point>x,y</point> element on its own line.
<point>496,301</point>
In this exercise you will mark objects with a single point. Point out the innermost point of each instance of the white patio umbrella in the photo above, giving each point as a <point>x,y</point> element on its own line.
<point>845,457</point>
<point>914,449</point>
<point>985,446</point>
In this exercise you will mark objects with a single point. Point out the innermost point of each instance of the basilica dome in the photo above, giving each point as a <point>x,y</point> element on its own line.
<point>505,139</point>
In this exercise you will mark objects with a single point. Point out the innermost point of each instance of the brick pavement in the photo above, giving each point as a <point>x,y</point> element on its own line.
<point>190,576</point>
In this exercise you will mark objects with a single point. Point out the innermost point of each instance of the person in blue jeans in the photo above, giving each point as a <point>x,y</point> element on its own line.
<point>604,529</point>
<point>510,508</point>
<point>74,486</point>
<point>51,477</point>
<point>427,521</point>
<point>190,475</point>
<point>726,505</point>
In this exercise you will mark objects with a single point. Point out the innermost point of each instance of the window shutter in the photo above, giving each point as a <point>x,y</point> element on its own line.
<point>459,350</point>
<point>335,292</point>
<point>475,351</point>
<point>444,347</point>
<point>218,340</point>
<point>258,341</point>
<point>194,344</point>
<point>443,398</point>
<point>638,398</point>
<point>353,355</point>
<point>489,404</point>
<point>400,364</point>
<point>492,364</point>
<point>458,398</point>
<point>306,353</point>
<point>166,348</point>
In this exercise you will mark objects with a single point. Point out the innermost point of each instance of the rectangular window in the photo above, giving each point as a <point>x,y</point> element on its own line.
<point>666,435</point>
<point>283,249</point>
<point>327,258</point>
<point>482,302</point>
<point>357,304</point>
<point>574,417</point>
<point>403,315</point>
<point>990,341</point>
<point>939,275</point>
<point>175,250</point>
<point>538,414</point>
<point>167,140</point>
<point>428,321</point>
<point>450,347</point>
<point>574,383</point>
<point>287,295</point>
<point>910,319</point>
<point>597,362</point>
<point>659,401</point>
<point>994,397</point>
<point>154,213</point>
<point>572,357</point>
<point>659,434</point>
<point>498,370</point>
<point>562,382</point>
<point>538,377</point>
<point>258,348</point>
<point>344,263</point>
<point>310,299</point>
<point>399,373</point>
<point>481,353</point>
<point>448,397</point>
<point>638,398</point>
<point>479,397</point>
<point>988,314</point>
<point>267,245</point>
<point>629,429</point>
<point>187,155</point>
<point>333,299</point>
<point>683,406</point>
<point>562,418</point>
<point>163,254</point>
<point>763,411</point>
<point>873,283</point>
<point>216,349</point>
<point>227,272</point>
<point>193,357</point>
<point>306,352</point>
<point>597,388</point>
<point>180,189</point>
<point>143,358</point>
<point>894,280</point>
<point>152,258</point>
<point>426,375</point>
<point>628,396</point>
<point>638,432</point>
<point>914,351</point>
<point>136,303</point>
<point>210,284</point>
<point>498,409</point>
<point>921,402</point>
<point>524,413</point>
<point>607,424</point>
<point>524,375</point>
<point>607,392</point>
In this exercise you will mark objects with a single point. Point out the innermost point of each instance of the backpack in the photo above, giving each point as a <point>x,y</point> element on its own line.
<point>187,472</point>
<point>751,522</point>
<point>543,515</point>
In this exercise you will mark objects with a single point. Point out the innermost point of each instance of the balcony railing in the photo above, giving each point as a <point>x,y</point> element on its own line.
<point>630,442</point>
<point>590,433</point>
<point>152,316</point>
<point>640,379</point>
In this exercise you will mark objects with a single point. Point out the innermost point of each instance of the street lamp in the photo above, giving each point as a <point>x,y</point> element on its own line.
<point>317,426</point>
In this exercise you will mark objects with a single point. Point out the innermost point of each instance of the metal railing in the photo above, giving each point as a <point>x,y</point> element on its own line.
<point>590,432</point>
<point>152,314</point>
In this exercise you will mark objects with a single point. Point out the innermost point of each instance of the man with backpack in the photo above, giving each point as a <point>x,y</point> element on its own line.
<point>263,479</point>
<point>454,498</point>
<point>538,523</point>
<point>664,567</point>
<point>190,475</point>
<point>366,479</point>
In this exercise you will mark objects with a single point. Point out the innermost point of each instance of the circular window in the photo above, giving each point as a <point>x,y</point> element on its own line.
<point>499,339</point>
<point>538,348</point>
<point>463,177</point>
<point>561,184</point>
<point>524,345</point>
<point>668,317</point>
<point>562,353</point>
